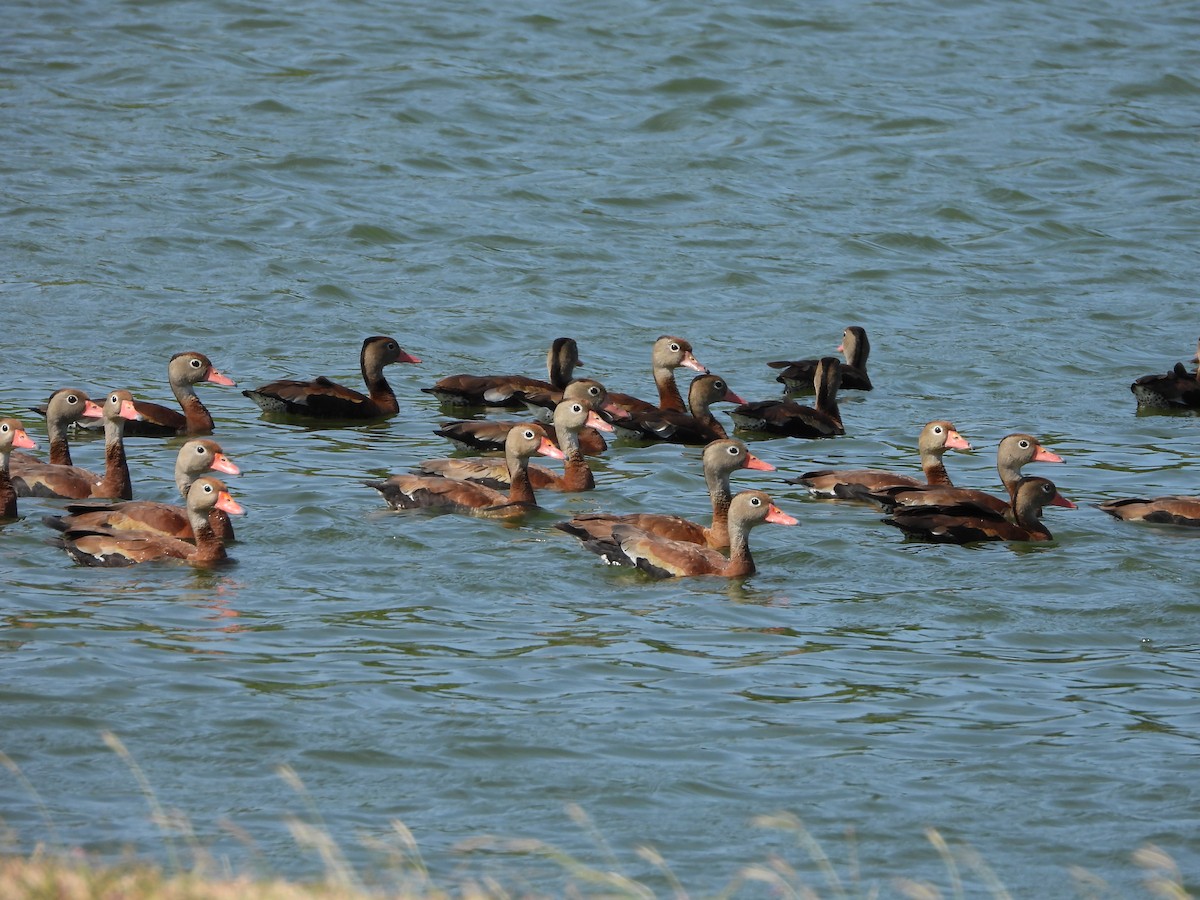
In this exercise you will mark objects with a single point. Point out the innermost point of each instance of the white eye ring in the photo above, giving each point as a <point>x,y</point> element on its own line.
<point>195,363</point>
<point>937,429</point>
<point>1024,445</point>
<point>675,348</point>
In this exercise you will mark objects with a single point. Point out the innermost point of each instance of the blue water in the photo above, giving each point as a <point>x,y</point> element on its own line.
<point>1003,193</point>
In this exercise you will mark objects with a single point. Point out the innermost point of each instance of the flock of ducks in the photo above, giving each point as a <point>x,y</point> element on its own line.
<point>104,526</point>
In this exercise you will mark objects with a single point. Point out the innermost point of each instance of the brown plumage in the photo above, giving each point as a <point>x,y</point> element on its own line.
<point>325,399</point>
<point>506,390</point>
<point>433,492</point>
<point>797,375</point>
<point>1013,453</point>
<point>195,458</point>
<point>667,355</point>
<point>1169,510</point>
<point>856,484</point>
<point>627,545</point>
<point>697,427</point>
<point>721,459</point>
<point>489,434</point>
<point>968,523</point>
<point>184,372</point>
<point>570,417</point>
<point>65,407</point>
<point>75,483</point>
<point>1177,389</point>
<point>789,419</point>
<point>123,548</point>
<point>12,434</point>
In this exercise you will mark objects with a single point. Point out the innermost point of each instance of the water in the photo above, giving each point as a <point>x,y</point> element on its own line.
<point>1003,193</point>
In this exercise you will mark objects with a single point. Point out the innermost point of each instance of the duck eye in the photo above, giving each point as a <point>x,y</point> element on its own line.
<point>575,407</point>
<point>195,363</point>
<point>72,399</point>
<point>674,348</point>
<point>529,434</point>
<point>1024,445</point>
<point>4,428</point>
<point>208,488</point>
<point>594,391</point>
<point>114,399</point>
<point>734,451</point>
<point>201,449</point>
<point>391,345</point>
<point>754,501</point>
<point>937,429</point>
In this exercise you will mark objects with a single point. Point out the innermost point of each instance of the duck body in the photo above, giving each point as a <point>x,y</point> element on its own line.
<point>570,417</point>
<point>110,548</point>
<point>74,483</point>
<point>323,398</point>
<point>506,391</point>
<point>662,557</point>
<point>721,459</point>
<point>1168,510</point>
<point>1014,452</point>
<point>196,458</point>
<point>12,435</point>
<point>936,438</point>
<point>787,418</point>
<point>470,498</point>
<point>968,523</point>
<point>695,428</point>
<point>798,375</point>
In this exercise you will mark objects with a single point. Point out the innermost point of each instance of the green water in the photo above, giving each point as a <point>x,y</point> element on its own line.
<point>1003,193</point>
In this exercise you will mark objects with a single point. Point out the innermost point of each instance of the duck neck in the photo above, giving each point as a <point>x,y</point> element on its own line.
<point>935,470</point>
<point>378,389</point>
<point>209,547</point>
<point>520,490</point>
<point>8,494</point>
<point>741,563</point>
<point>826,401</point>
<point>116,481</point>
<point>668,391</point>
<point>721,496</point>
<point>199,421</point>
<point>60,450</point>
<point>577,474</point>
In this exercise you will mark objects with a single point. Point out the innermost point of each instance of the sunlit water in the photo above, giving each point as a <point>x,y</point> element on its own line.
<point>1004,193</point>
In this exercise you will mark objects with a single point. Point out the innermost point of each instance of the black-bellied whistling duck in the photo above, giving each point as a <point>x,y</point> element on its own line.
<point>12,434</point>
<point>65,407</point>
<point>489,434</point>
<point>856,484</point>
<point>699,426</point>
<point>789,419</point>
<point>667,355</point>
<point>1013,453</point>
<point>505,390</point>
<point>322,398</point>
<point>721,459</point>
<point>433,492</point>
<point>570,416</point>
<point>184,372</point>
<point>1169,510</point>
<point>628,545</point>
<point>967,523</point>
<point>127,548</point>
<point>75,483</point>
<point>797,375</point>
<point>196,458</point>
<point>1177,389</point>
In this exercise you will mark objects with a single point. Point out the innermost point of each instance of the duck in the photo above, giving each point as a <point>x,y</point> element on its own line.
<point>668,354</point>
<point>1014,452</point>
<point>466,497</point>
<point>697,427</point>
<point>789,419</point>
<point>12,434</point>
<point>570,417</point>
<point>797,375</point>
<point>74,483</point>
<point>110,548</point>
<point>720,460</point>
<point>489,434</point>
<point>196,458</point>
<point>1168,510</point>
<point>935,439</point>
<point>184,372</point>
<point>322,398</point>
<point>662,557</point>
<point>1177,389</point>
<point>65,407</point>
<point>968,523</point>
<point>505,390</point>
